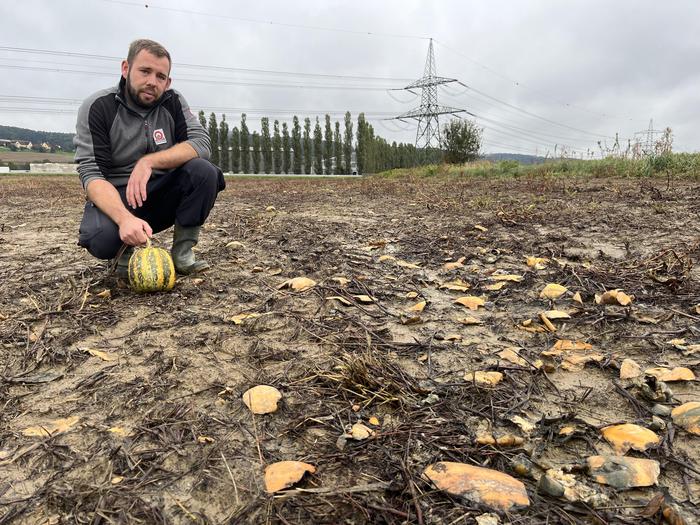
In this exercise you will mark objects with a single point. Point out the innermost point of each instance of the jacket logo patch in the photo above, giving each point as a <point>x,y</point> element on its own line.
<point>159,137</point>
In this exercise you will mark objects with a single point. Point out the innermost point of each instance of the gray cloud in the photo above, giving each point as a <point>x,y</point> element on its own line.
<point>601,67</point>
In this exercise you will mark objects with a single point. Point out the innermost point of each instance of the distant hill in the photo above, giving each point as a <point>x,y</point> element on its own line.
<point>522,159</point>
<point>65,140</point>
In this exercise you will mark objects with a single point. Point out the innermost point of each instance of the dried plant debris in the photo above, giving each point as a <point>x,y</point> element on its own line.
<point>52,428</point>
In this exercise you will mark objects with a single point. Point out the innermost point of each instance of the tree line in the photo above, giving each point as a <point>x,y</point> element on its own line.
<point>327,150</point>
<point>63,141</point>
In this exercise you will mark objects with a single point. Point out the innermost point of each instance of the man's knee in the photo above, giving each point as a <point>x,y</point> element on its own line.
<point>203,174</point>
<point>98,234</point>
<point>104,247</point>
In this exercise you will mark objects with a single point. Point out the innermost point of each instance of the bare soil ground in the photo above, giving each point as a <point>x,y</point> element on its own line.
<point>154,382</point>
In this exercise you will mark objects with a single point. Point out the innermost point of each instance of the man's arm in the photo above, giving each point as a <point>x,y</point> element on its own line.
<point>93,155</point>
<point>164,160</point>
<point>132,230</point>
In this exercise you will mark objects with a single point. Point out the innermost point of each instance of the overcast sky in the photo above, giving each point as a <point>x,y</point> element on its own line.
<point>540,73</point>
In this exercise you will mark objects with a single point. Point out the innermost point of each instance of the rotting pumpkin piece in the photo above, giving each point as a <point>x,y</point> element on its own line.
<point>360,432</point>
<point>576,361</point>
<point>484,378</point>
<point>298,284</point>
<point>506,278</point>
<point>512,355</point>
<point>623,472</point>
<point>342,300</point>
<point>240,318</point>
<point>557,314</point>
<point>418,307</point>
<point>509,440</point>
<point>687,416</point>
<point>678,373</point>
<point>628,436</point>
<point>262,399</point>
<point>629,369</point>
<point>459,263</point>
<point>553,291</point>
<point>284,474</point>
<point>406,264</point>
<point>547,323</point>
<point>480,485</point>
<point>457,285</point>
<point>616,296</point>
<point>538,263</point>
<point>575,354</point>
<point>470,301</point>
<point>567,345</point>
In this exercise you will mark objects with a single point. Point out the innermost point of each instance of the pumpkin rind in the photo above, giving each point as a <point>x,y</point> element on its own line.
<point>151,270</point>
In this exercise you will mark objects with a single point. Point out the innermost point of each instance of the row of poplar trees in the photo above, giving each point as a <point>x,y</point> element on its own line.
<point>302,150</point>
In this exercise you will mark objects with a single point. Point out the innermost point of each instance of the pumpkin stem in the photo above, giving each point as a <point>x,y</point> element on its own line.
<point>148,242</point>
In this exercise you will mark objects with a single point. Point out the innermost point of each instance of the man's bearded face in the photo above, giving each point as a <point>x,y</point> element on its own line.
<point>147,78</point>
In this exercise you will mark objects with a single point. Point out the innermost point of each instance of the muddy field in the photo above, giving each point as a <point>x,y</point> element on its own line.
<point>124,408</point>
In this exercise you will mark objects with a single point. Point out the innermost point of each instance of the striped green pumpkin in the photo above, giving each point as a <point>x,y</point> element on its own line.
<point>151,270</point>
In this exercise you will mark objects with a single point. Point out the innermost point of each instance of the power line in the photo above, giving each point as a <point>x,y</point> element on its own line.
<point>91,56</point>
<point>523,86</point>
<point>231,110</point>
<point>222,82</point>
<point>509,111</point>
<point>525,130</point>
<point>534,115</point>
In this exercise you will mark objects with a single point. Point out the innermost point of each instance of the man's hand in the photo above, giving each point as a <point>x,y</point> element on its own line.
<point>134,231</point>
<point>136,187</point>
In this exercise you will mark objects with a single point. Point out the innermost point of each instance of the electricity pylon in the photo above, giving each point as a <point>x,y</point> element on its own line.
<point>645,141</point>
<point>428,132</point>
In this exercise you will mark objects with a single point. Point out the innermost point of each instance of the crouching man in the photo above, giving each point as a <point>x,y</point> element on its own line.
<point>142,157</point>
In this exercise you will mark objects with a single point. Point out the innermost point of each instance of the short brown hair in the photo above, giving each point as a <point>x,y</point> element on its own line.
<point>143,44</point>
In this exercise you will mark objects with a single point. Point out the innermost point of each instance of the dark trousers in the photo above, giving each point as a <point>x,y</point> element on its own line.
<point>185,195</point>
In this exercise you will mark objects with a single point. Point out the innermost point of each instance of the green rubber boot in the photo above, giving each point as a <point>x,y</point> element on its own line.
<point>122,268</point>
<point>184,239</point>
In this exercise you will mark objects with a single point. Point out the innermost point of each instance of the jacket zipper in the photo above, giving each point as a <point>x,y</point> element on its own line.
<point>148,143</point>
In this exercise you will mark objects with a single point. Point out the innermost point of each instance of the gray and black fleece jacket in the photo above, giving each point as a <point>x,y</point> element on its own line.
<point>111,136</point>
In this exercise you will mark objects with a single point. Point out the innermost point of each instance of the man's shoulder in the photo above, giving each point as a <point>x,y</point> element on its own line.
<point>175,103</point>
<point>103,96</point>
<point>172,97</point>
